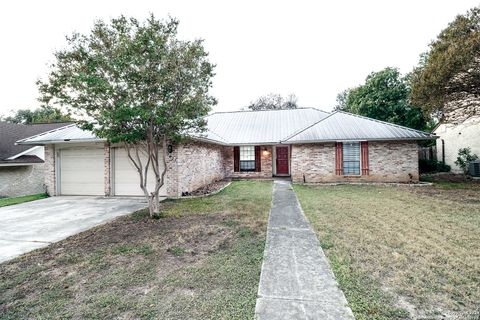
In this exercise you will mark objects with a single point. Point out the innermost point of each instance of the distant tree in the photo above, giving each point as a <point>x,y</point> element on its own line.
<point>384,96</point>
<point>136,84</point>
<point>450,71</point>
<point>44,114</point>
<point>274,101</point>
<point>342,100</point>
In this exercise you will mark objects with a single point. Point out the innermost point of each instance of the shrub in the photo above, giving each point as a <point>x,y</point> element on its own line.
<point>464,158</point>
<point>429,166</point>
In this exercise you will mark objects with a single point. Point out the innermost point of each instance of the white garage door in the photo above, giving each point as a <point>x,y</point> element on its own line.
<point>126,179</point>
<point>81,171</point>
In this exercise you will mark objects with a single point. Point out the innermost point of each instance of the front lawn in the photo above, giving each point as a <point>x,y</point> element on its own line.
<point>16,200</point>
<point>401,252</point>
<point>201,261</point>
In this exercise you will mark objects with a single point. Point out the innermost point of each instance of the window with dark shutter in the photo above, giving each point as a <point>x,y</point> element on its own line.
<point>258,159</point>
<point>247,158</point>
<point>351,158</point>
<point>236,159</point>
<point>338,159</point>
<point>365,165</point>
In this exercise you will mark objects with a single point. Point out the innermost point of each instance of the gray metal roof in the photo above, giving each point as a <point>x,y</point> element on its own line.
<point>71,133</point>
<point>343,126</point>
<point>269,127</point>
<point>259,127</point>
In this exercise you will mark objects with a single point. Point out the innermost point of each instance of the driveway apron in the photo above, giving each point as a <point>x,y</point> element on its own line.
<point>32,225</point>
<point>296,281</point>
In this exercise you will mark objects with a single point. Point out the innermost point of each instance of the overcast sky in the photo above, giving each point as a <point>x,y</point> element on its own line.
<point>314,49</point>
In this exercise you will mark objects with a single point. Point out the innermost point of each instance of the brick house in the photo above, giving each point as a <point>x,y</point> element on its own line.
<point>21,166</point>
<point>307,145</point>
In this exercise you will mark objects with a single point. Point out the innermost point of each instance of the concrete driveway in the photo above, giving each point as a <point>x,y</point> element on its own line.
<point>32,225</point>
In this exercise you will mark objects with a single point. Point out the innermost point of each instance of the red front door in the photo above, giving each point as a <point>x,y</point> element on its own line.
<point>282,160</point>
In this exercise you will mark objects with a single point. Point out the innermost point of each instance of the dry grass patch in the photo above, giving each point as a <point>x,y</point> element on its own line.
<point>400,252</point>
<point>201,261</point>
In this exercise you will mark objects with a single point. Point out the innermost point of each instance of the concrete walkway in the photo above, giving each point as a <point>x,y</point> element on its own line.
<point>31,225</point>
<point>296,280</point>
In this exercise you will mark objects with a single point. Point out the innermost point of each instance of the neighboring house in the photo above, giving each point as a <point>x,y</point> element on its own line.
<point>454,136</point>
<point>21,166</point>
<point>308,145</point>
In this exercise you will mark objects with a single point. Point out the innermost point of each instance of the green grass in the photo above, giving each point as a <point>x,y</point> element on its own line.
<point>399,252</point>
<point>16,200</point>
<point>456,185</point>
<point>202,260</point>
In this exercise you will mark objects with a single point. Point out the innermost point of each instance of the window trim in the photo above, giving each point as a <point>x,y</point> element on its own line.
<point>359,159</point>
<point>254,169</point>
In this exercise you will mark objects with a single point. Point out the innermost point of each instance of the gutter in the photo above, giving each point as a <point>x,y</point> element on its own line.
<point>359,139</point>
<point>44,142</point>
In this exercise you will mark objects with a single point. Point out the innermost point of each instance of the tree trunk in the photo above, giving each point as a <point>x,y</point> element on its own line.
<point>154,206</point>
<point>152,151</point>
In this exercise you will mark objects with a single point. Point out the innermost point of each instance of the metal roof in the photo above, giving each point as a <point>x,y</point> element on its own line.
<point>259,127</point>
<point>343,126</point>
<point>269,127</point>
<point>71,133</point>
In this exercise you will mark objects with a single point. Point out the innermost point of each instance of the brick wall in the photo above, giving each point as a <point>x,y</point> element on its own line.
<point>266,164</point>
<point>50,169</point>
<point>18,181</point>
<point>389,162</point>
<point>193,165</point>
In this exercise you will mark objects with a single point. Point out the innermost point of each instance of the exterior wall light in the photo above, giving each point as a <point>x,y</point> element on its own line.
<point>170,148</point>
<point>265,152</point>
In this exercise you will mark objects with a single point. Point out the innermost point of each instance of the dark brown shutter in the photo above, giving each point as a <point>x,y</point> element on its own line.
<point>236,159</point>
<point>258,159</point>
<point>364,153</point>
<point>339,158</point>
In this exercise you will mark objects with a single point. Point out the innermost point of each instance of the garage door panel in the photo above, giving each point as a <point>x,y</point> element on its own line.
<point>81,171</point>
<point>126,178</point>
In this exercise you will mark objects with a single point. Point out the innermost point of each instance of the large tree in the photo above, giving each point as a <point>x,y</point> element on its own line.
<point>384,96</point>
<point>447,80</point>
<point>44,114</point>
<point>274,101</point>
<point>136,84</point>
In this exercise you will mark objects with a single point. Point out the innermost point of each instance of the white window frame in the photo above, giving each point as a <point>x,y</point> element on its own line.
<point>251,153</point>
<point>359,159</point>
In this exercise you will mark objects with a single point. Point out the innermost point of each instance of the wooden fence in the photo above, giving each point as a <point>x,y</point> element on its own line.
<point>427,153</point>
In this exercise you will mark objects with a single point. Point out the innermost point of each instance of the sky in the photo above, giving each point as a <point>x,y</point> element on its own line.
<point>313,49</point>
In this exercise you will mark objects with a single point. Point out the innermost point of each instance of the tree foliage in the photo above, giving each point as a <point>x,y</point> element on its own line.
<point>134,83</point>
<point>450,70</point>
<point>274,101</point>
<point>384,96</point>
<point>44,114</point>
<point>464,158</point>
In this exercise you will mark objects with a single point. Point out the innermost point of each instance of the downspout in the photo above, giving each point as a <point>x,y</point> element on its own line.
<point>443,151</point>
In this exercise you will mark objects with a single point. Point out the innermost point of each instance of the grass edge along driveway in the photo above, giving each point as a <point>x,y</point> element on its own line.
<point>16,200</point>
<point>201,261</point>
<point>400,252</point>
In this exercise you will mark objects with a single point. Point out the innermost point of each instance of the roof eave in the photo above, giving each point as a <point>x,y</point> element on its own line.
<point>18,164</point>
<point>359,139</point>
<point>44,142</point>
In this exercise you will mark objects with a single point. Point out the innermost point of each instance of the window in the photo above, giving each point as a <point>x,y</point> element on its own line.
<point>351,158</point>
<point>247,158</point>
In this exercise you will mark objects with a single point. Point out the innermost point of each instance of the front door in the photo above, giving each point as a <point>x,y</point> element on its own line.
<point>282,160</point>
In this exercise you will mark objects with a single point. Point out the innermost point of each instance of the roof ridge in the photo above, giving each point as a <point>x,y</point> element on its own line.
<point>384,122</point>
<point>47,123</point>
<point>46,132</point>
<point>247,111</point>
<point>307,127</point>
